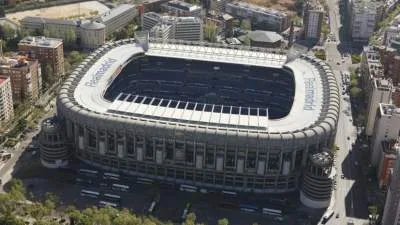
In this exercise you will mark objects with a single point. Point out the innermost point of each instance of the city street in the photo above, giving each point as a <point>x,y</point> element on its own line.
<point>350,196</point>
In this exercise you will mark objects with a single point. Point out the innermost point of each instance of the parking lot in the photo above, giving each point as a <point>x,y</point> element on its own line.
<point>171,202</point>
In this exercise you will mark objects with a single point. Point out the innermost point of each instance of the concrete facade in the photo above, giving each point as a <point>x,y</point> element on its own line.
<point>312,21</point>
<point>365,14</point>
<point>6,100</point>
<point>391,211</point>
<point>117,17</point>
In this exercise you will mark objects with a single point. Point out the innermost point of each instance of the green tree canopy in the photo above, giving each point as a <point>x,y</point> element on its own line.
<point>223,221</point>
<point>245,24</point>
<point>210,31</point>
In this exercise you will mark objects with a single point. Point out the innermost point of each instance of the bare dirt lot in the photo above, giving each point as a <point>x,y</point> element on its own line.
<point>284,5</point>
<point>83,9</point>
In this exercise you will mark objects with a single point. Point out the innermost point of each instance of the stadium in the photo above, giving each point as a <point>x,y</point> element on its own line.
<point>240,119</point>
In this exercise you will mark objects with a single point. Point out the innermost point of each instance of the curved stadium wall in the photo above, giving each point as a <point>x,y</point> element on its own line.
<point>263,158</point>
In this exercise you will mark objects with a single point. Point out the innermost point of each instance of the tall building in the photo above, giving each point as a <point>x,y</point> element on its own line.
<point>312,21</point>
<point>266,19</point>
<point>391,211</point>
<point>180,8</point>
<point>365,14</point>
<point>117,17</point>
<point>48,51</point>
<point>25,77</point>
<point>380,91</point>
<point>188,28</point>
<point>150,19</point>
<point>6,100</point>
<point>389,150</point>
<point>387,127</point>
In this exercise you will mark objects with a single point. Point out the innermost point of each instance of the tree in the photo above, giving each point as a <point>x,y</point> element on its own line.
<point>223,221</point>
<point>190,219</point>
<point>355,92</point>
<point>75,57</point>
<point>17,190</point>
<point>70,37</point>
<point>246,41</point>
<point>210,31</point>
<point>245,24</point>
<point>8,32</point>
<point>47,74</point>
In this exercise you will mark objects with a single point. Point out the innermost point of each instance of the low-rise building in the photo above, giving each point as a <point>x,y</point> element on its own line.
<point>6,100</point>
<point>218,5</point>
<point>188,28</point>
<point>117,17</point>
<point>25,77</point>
<point>180,8</point>
<point>92,35</point>
<point>387,127</point>
<point>150,19</point>
<point>391,211</point>
<point>265,18</point>
<point>265,39</point>
<point>48,51</point>
<point>389,150</point>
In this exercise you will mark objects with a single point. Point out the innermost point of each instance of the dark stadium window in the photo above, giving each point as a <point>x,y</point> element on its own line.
<point>226,109</point>
<point>139,99</point>
<point>110,142</point>
<point>208,108</point>
<point>244,111</point>
<point>235,110</point>
<point>190,106</point>
<point>173,104</point>
<point>147,101</point>
<point>210,155</point>
<point>253,111</point>
<point>273,162</point>
<point>182,105</point>
<point>199,107</point>
<point>251,160</point>
<point>150,148</point>
<point>189,152</point>
<point>92,139</point>
<point>130,145</point>
<point>156,101</point>
<point>262,112</point>
<point>169,148</point>
<point>217,108</point>
<point>122,96</point>
<point>164,103</point>
<point>130,99</point>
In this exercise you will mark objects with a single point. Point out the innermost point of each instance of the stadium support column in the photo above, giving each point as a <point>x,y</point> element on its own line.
<point>159,156</point>
<point>240,164</point>
<point>261,167</point>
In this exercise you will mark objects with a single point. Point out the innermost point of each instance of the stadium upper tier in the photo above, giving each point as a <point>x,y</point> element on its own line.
<point>204,86</point>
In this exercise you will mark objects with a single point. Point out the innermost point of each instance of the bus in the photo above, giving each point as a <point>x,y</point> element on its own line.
<point>248,208</point>
<point>119,187</point>
<point>152,207</point>
<point>91,194</point>
<point>141,180</point>
<point>272,212</point>
<point>327,216</point>
<point>89,173</point>
<point>111,197</point>
<point>111,176</point>
<point>105,203</point>
<point>188,188</point>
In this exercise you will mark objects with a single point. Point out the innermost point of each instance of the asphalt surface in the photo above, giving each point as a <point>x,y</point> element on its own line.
<point>350,195</point>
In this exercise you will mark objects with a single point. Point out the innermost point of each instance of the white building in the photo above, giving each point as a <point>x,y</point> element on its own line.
<point>387,127</point>
<point>180,8</point>
<point>380,92</point>
<point>268,19</point>
<point>391,212</point>
<point>93,35</point>
<point>117,18</point>
<point>218,5</point>
<point>365,14</point>
<point>171,27</point>
<point>6,100</point>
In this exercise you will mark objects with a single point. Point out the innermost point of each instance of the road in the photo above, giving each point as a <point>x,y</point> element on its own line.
<point>350,202</point>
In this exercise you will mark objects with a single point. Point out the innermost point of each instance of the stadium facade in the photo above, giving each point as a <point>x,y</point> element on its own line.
<point>238,119</point>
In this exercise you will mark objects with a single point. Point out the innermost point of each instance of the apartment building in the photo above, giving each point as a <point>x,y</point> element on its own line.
<point>55,28</point>
<point>387,127</point>
<point>388,155</point>
<point>92,35</point>
<point>117,17</point>
<point>365,14</point>
<point>391,211</point>
<point>25,77</point>
<point>180,8</point>
<point>264,18</point>
<point>6,100</point>
<point>171,27</point>
<point>48,51</point>
<point>312,21</point>
<point>380,91</point>
<point>218,5</point>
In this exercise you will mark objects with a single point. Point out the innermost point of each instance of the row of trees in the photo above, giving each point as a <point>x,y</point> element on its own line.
<point>15,209</point>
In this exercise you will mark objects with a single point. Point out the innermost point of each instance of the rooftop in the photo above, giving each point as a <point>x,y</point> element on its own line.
<point>389,110</point>
<point>41,41</point>
<point>373,61</point>
<point>183,5</point>
<point>115,12</point>
<point>390,146</point>
<point>322,159</point>
<point>258,9</point>
<point>265,36</point>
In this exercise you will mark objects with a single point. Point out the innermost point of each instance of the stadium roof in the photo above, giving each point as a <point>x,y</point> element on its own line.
<point>305,111</point>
